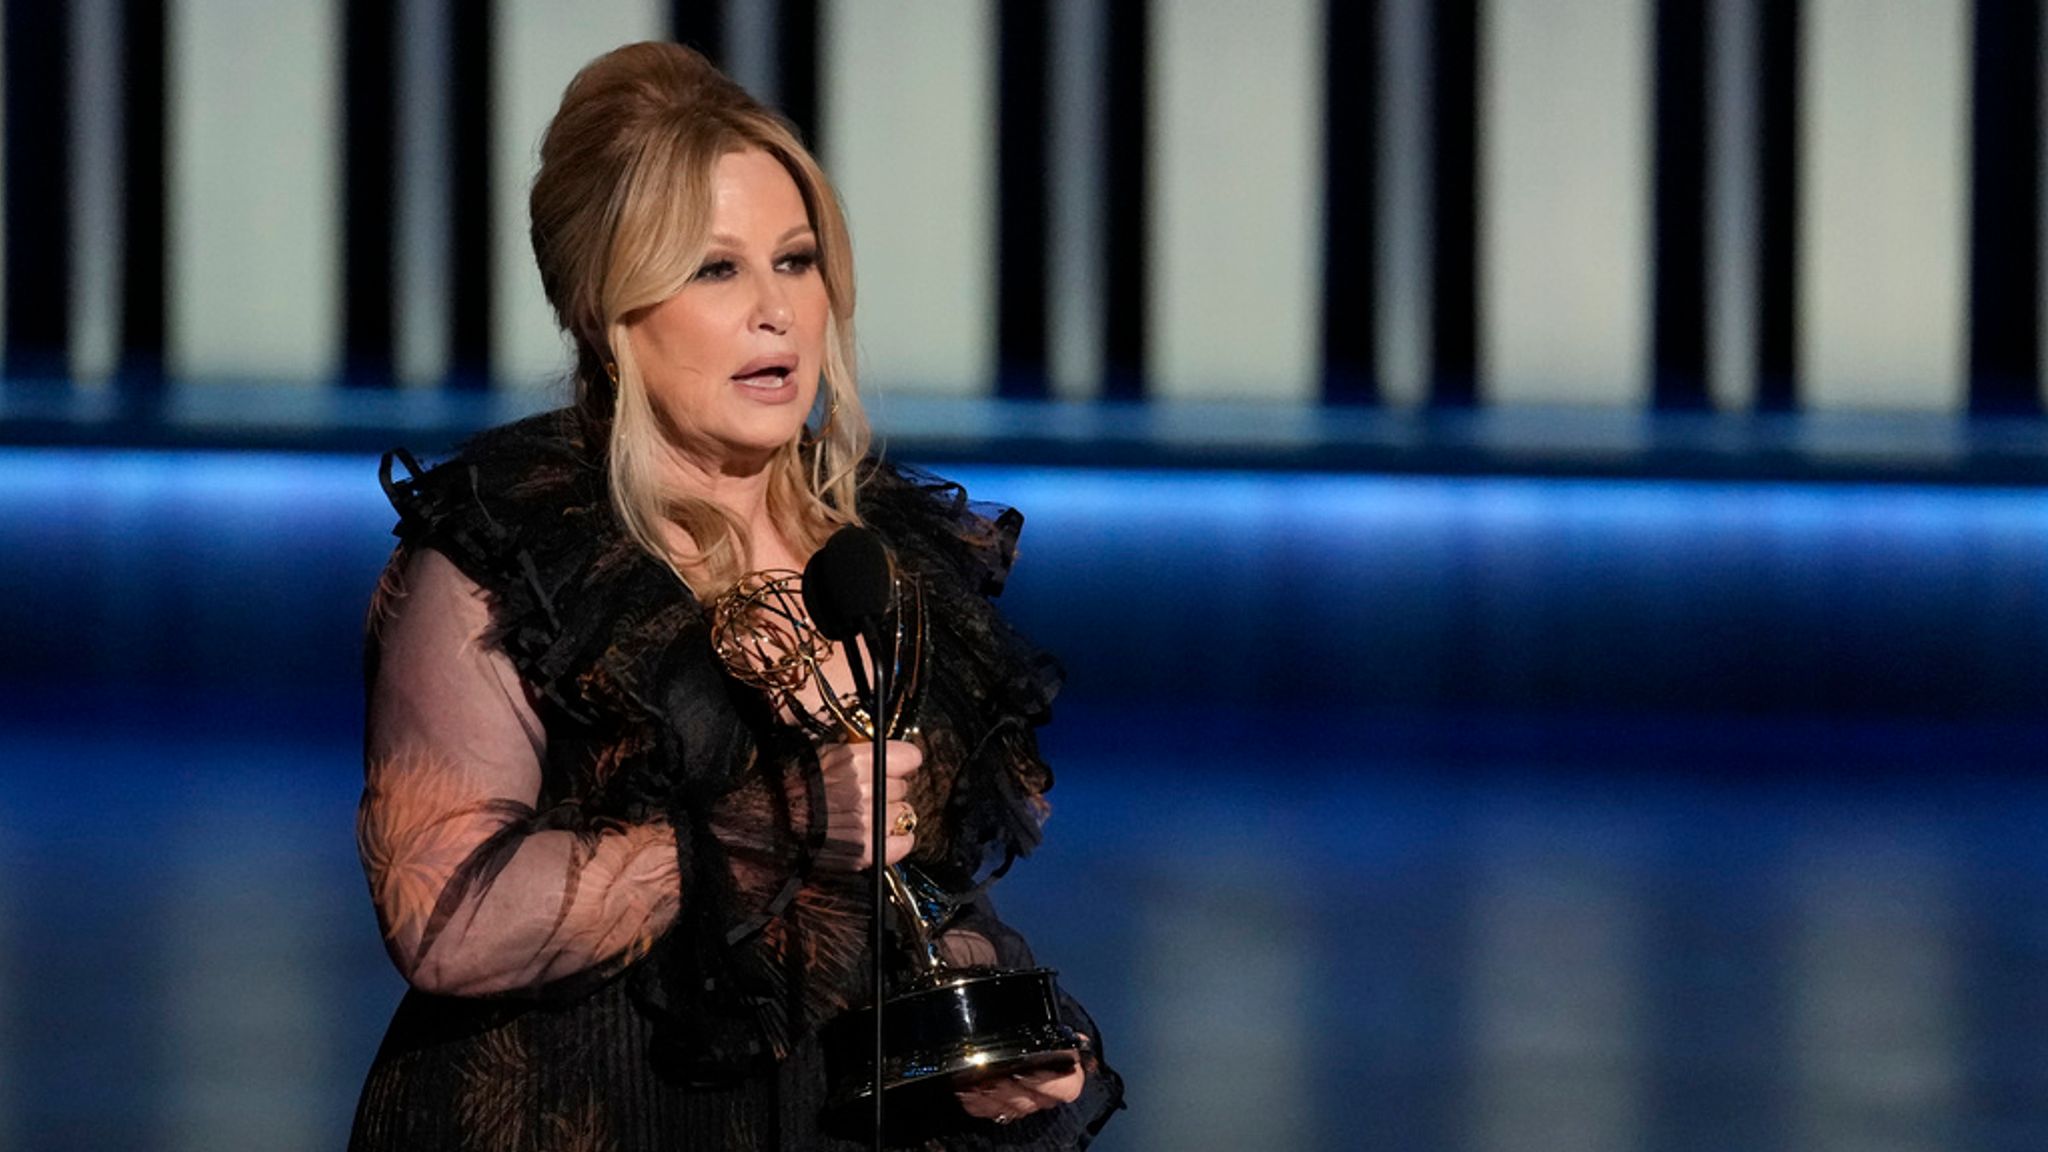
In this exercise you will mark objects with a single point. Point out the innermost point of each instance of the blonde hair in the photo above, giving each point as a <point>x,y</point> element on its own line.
<point>620,215</point>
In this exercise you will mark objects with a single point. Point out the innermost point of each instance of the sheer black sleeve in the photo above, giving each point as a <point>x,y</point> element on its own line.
<point>478,890</point>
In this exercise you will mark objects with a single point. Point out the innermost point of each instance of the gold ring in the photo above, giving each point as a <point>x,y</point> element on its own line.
<point>906,822</point>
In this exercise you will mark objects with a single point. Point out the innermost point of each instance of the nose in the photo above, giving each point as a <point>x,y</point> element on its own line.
<point>771,308</point>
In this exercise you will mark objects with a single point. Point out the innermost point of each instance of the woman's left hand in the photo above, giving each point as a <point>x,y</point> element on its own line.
<point>1002,1096</point>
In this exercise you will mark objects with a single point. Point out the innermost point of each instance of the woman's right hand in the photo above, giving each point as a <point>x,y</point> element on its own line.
<point>848,771</point>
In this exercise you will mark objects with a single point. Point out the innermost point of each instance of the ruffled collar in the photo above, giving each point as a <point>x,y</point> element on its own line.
<point>604,633</point>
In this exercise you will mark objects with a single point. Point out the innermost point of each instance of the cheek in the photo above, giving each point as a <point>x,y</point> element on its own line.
<point>672,356</point>
<point>817,312</point>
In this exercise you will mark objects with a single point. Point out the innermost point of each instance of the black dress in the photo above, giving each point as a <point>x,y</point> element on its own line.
<point>591,849</point>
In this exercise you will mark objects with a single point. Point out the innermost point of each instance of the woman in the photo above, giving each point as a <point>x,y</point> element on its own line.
<point>625,887</point>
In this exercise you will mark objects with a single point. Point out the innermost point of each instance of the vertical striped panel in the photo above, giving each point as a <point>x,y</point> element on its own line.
<point>421,277</point>
<point>1679,224</point>
<point>473,294</point>
<point>2005,207</point>
<point>254,203</point>
<point>1876,1026</point>
<point>1023,197</point>
<point>370,163</point>
<point>1556,989</point>
<point>750,51</point>
<point>1564,262</point>
<point>95,188</point>
<point>1403,294</point>
<point>910,143</point>
<point>540,46</point>
<point>701,25</point>
<point>1077,266</point>
<point>798,44</point>
<point>1237,205</point>
<point>1351,81</point>
<point>37,86</point>
<point>1455,37</point>
<point>4,128</point>
<point>1733,202</point>
<point>1128,166</point>
<point>144,122</point>
<point>1779,25</point>
<point>1884,116</point>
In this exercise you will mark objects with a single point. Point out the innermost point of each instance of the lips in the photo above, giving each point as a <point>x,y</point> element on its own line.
<point>766,371</point>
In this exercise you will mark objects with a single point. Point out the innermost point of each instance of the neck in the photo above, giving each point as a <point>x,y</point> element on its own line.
<point>738,487</point>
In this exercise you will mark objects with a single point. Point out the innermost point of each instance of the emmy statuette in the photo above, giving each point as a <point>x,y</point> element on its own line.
<point>938,1019</point>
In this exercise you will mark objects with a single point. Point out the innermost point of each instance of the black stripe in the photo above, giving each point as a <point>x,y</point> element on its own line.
<point>1023,131</point>
<point>796,48</point>
<point>469,135</point>
<point>1454,315</point>
<point>701,25</point>
<point>38,158</point>
<point>1777,385</point>
<point>1679,323</point>
<point>1126,143</point>
<point>2005,231</point>
<point>145,106</point>
<point>1351,71</point>
<point>370,128</point>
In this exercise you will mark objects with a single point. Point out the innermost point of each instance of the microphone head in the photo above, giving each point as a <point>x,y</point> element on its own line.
<point>849,583</point>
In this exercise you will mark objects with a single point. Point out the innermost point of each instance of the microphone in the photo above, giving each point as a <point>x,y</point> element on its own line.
<point>849,585</point>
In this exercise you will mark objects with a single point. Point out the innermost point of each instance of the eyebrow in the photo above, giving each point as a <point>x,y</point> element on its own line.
<point>725,240</point>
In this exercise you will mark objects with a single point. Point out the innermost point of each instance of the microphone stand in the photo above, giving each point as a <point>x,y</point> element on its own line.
<point>877,701</point>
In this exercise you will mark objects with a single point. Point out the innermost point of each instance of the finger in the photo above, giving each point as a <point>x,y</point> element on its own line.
<point>1054,1091</point>
<point>897,847</point>
<point>904,758</point>
<point>986,1103</point>
<point>896,788</point>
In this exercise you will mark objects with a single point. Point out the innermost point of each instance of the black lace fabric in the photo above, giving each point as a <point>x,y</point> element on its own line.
<point>592,853</point>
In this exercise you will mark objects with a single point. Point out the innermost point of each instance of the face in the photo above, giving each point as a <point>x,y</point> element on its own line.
<point>731,362</point>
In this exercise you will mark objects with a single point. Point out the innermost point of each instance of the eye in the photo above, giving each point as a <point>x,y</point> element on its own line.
<point>715,270</point>
<point>799,261</point>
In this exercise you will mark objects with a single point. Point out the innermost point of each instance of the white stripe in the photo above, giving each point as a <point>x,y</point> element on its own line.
<point>1733,203</point>
<point>907,101</point>
<point>1883,220</point>
<point>1875,1020</point>
<point>1235,282</point>
<point>253,213</point>
<point>1556,997</point>
<point>1406,139</point>
<point>1564,258</point>
<point>1077,263</point>
<point>96,209</point>
<point>421,224</point>
<point>540,45</point>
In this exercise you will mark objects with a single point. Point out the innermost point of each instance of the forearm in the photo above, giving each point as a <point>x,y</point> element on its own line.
<point>561,904</point>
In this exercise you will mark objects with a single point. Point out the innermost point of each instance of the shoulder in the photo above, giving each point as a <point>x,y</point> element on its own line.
<point>523,512</point>
<point>498,478</point>
<point>511,496</point>
<point>931,522</point>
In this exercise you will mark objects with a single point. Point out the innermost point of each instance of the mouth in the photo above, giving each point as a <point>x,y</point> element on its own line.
<point>766,372</point>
